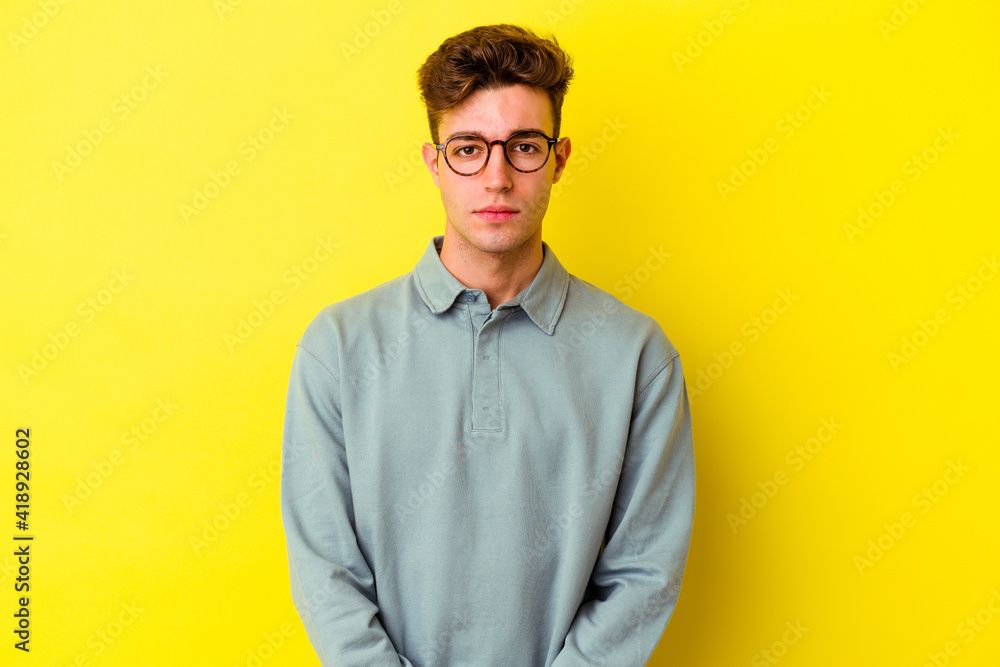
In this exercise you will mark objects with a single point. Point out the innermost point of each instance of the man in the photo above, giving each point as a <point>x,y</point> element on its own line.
<point>487,461</point>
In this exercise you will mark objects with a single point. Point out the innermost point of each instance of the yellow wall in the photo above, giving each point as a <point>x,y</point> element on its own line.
<point>842,369</point>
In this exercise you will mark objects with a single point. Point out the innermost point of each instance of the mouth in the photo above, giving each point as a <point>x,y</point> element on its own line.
<point>496,213</point>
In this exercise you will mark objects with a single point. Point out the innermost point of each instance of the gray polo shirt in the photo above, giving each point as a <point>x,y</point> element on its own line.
<point>450,475</point>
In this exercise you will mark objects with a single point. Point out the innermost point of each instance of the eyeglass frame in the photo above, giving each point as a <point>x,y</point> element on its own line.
<point>489,150</point>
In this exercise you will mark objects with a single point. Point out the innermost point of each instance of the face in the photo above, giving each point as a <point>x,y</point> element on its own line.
<point>497,114</point>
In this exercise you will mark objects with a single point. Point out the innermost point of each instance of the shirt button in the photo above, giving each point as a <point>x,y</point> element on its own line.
<point>470,296</point>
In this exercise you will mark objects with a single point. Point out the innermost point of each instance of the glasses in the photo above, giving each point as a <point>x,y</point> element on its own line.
<point>468,154</point>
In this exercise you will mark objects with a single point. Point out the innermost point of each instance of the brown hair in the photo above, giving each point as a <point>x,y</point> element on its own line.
<point>489,57</point>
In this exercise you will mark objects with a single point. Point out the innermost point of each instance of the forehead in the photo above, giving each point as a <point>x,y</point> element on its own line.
<point>499,112</point>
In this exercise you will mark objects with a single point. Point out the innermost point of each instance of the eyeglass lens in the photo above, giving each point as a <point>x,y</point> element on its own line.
<point>527,151</point>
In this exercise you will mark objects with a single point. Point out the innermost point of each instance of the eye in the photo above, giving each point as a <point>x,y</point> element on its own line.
<point>465,149</point>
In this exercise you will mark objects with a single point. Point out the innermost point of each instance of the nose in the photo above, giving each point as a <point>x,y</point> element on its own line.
<point>497,174</point>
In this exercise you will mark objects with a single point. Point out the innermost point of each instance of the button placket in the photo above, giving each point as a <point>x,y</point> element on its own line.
<point>486,375</point>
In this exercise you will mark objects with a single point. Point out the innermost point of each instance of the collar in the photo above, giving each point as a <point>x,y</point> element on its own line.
<point>542,300</point>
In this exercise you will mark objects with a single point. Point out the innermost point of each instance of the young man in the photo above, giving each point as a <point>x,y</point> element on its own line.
<point>487,461</point>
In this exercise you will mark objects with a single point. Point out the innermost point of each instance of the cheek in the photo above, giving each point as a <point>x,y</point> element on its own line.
<point>454,197</point>
<point>538,198</point>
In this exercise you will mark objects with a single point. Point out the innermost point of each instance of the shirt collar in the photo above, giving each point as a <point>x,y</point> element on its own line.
<point>542,300</point>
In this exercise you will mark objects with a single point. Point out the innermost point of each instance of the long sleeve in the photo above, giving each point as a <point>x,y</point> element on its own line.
<point>636,580</point>
<point>332,585</point>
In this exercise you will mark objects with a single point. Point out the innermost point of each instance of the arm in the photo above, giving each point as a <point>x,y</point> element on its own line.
<point>636,580</point>
<point>332,586</point>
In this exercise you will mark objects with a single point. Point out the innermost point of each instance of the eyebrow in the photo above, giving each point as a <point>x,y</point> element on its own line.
<point>467,133</point>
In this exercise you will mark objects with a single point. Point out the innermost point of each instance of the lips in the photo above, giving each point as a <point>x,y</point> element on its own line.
<point>497,209</point>
<point>496,213</point>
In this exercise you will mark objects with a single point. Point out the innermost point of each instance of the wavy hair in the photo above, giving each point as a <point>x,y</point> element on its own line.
<point>490,57</point>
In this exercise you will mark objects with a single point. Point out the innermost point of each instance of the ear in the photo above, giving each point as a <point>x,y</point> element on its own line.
<point>562,150</point>
<point>430,155</point>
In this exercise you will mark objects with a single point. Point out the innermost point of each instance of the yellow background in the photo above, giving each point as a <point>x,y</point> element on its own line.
<point>669,99</point>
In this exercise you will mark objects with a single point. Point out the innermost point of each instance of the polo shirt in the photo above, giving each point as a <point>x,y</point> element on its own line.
<point>463,485</point>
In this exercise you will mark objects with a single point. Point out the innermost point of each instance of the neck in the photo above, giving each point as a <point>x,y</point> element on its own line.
<point>500,275</point>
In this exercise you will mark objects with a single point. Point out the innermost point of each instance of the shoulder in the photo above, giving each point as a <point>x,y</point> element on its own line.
<point>615,335</point>
<point>340,324</point>
<point>624,324</point>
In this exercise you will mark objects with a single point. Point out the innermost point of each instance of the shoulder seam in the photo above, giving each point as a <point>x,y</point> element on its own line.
<point>659,369</point>
<point>323,363</point>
